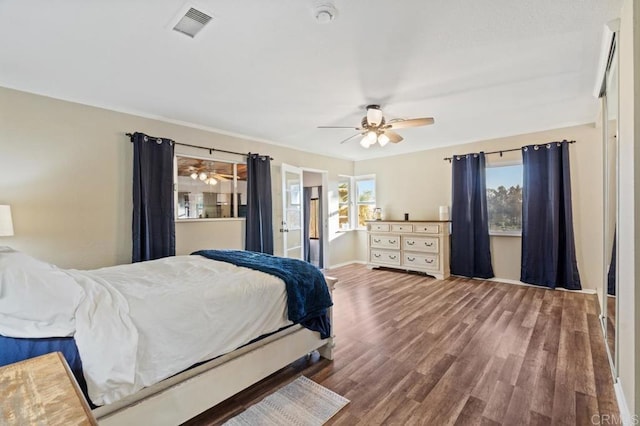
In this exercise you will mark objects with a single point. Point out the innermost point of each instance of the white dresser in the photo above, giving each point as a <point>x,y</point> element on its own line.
<point>421,246</point>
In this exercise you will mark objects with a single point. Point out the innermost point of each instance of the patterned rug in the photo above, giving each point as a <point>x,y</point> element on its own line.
<point>302,402</point>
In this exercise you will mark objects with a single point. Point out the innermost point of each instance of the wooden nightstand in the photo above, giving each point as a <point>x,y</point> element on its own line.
<point>42,391</point>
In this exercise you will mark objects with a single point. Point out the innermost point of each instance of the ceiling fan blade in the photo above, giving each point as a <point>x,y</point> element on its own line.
<point>350,137</point>
<point>220,177</point>
<point>393,136</point>
<point>413,122</point>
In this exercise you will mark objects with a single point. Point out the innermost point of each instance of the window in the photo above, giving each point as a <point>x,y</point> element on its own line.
<point>356,201</point>
<point>210,189</point>
<point>365,199</point>
<point>504,199</point>
<point>344,202</point>
<point>313,219</point>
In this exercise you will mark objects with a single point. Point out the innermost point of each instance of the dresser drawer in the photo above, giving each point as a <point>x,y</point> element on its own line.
<point>427,261</point>
<point>401,228</point>
<point>384,241</point>
<point>420,244</point>
<point>427,228</point>
<point>380,227</point>
<point>383,256</point>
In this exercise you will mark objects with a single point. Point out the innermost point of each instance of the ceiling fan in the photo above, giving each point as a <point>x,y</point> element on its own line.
<point>206,176</point>
<point>374,127</point>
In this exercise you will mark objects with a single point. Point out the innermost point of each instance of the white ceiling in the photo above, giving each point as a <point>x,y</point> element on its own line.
<point>269,71</point>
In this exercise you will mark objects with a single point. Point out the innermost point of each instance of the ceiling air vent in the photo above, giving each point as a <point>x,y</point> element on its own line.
<point>192,22</point>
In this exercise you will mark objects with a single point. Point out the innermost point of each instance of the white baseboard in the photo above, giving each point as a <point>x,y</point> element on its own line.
<point>625,414</point>
<point>351,262</point>
<point>516,282</point>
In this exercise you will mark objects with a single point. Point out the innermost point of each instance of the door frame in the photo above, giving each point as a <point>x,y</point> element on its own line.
<point>324,213</point>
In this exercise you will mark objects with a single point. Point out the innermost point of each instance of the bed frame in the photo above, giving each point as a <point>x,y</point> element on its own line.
<point>185,395</point>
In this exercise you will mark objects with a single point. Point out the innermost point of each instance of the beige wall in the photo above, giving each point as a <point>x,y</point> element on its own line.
<point>65,168</point>
<point>419,183</point>
<point>629,234</point>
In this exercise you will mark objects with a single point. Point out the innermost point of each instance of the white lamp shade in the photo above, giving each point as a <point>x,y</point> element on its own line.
<point>374,116</point>
<point>444,212</point>
<point>383,139</point>
<point>364,142</point>
<point>6,224</point>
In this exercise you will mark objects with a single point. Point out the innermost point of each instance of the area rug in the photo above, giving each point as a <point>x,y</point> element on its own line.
<point>302,402</point>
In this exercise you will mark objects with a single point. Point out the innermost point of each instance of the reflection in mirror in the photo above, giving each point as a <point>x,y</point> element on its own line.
<point>209,189</point>
<point>610,133</point>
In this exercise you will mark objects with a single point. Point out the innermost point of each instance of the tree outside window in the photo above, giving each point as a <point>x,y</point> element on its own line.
<point>356,201</point>
<point>344,202</point>
<point>366,199</point>
<point>504,199</point>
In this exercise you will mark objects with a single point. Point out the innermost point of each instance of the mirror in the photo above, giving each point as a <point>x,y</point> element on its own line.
<point>610,158</point>
<point>210,189</point>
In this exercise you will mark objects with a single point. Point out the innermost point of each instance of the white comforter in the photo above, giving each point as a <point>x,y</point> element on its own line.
<point>141,323</point>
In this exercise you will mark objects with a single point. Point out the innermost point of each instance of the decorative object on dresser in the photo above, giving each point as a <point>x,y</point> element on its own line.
<point>421,246</point>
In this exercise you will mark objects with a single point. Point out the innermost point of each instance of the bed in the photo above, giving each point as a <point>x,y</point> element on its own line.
<point>163,341</point>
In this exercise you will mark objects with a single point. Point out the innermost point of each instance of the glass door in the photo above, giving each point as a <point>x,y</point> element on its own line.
<point>292,212</point>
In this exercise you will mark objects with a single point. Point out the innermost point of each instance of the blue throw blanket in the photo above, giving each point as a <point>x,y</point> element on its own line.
<point>307,293</point>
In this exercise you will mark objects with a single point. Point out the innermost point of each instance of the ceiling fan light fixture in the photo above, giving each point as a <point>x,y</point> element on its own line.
<point>194,175</point>
<point>371,137</point>
<point>365,143</point>
<point>212,181</point>
<point>374,115</point>
<point>203,176</point>
<point>383,139</point>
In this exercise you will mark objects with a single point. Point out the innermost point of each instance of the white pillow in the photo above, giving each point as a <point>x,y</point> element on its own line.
<point>36,298</point>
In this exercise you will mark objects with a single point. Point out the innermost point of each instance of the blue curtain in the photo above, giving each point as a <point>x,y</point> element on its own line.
<point>470,248</point>
<point>548,247</point>
<point>306,192</point>
<point>153,208</point>
<point>259,222</point>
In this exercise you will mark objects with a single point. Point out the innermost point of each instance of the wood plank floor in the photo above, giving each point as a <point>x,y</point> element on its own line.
<point>415,350</point>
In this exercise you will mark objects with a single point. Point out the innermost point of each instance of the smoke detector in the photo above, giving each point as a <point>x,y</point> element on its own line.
<point>325,13</point>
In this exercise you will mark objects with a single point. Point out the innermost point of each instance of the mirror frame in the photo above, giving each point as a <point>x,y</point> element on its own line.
<point>609,61</point>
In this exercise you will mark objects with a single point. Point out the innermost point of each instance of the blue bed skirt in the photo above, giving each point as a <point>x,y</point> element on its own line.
<point>15,350</point>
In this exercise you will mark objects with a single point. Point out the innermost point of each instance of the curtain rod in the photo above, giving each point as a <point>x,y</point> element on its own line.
<point>505,150</point>
<point>211,150</point>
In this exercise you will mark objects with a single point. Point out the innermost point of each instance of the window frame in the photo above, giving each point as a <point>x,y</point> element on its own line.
<point>348,203</point>
<point>357,202</point>
<point>352,201</point>
<point>506,163</point>
<point>176,188</point>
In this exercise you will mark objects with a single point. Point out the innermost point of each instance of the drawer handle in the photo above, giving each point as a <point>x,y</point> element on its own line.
<point>411,259</point>
<point>392,256</point>
<point>429,260</point>
<point>428,244</point>
<point>392,241</point>
<point>375,240</point>
<point>376,255</point>
<point>410,243</point>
